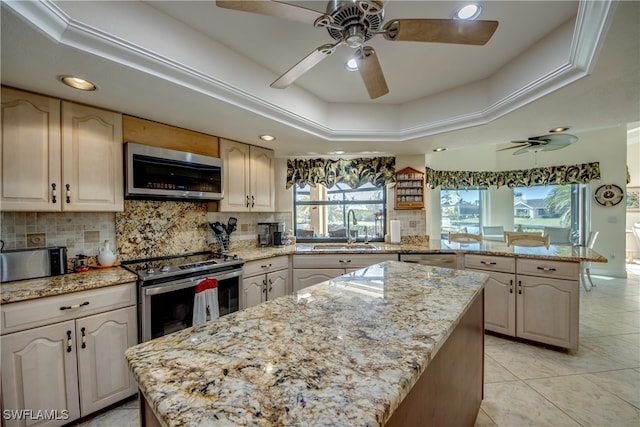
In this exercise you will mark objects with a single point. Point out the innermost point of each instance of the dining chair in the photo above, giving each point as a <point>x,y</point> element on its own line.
<point>585,266</point>
<point>558,235</point>
<point>523,239</point>
<point>493,232</point>
<point>465,237</point>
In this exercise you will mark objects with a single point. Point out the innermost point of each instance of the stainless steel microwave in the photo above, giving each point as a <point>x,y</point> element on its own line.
<point>160,173</point>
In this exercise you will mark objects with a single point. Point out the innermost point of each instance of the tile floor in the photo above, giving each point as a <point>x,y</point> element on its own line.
<point>529,385</point>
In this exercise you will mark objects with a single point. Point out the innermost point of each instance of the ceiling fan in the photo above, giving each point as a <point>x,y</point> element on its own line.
<point>355,22</point>
<point>542,143</point>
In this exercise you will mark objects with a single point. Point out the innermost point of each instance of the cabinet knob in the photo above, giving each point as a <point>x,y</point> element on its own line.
<point>54,193</point>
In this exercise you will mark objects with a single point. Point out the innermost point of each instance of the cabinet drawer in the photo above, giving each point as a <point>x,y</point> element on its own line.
<point>262,266</point>
<point>492,263</point>
<point>29,314</point>
<point>542,268</point>
<point>340,260</point>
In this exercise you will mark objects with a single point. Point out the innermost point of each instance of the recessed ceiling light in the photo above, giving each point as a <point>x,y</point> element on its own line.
<point>559,129</point>
<point>78,83</point>
<point>267,137</point>
<point>468,12</point>
<point>351,65</point>
<point>439,149</point>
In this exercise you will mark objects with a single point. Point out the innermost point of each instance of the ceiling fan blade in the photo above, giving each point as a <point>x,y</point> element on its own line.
<point>273,8</point>
<point>371,72</point>
<point>511,148</point>
<point>307,63</point>
<point>529,141</point>
<point>440,31</point>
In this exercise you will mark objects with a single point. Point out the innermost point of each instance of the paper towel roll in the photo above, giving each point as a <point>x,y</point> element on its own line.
<point>395,231</point>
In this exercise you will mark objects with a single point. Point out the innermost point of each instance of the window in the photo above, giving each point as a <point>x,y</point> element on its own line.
<point>535,208</point>
<point>320,213</point>
<point>460,211</point>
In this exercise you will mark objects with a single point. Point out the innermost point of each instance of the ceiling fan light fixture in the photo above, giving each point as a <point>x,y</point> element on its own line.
<point>351,65</point>
<point>439,149</point>
<point>559,129</point>
<point>354,36</point>
<point>468,12</point>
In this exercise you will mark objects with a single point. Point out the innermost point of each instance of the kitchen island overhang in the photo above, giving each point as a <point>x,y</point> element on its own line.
<point>357,350</point>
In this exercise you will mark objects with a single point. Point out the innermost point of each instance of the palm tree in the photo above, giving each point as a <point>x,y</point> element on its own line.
<point>558,201</point>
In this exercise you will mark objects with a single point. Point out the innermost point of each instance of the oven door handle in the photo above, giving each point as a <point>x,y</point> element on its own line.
<point>192,282</point>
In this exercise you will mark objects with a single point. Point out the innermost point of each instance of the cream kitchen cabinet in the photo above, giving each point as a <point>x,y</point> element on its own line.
<point>59,156</point>
<point>75,366</point>
<point>249,182</point>
<point>531,299</point>
<point>312,269</point>
<point>265,280</point>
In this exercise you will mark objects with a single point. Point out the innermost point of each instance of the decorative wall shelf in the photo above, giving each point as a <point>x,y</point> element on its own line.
<point>409,189</point>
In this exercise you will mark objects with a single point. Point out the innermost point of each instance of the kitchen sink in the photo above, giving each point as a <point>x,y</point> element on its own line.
<point>346,247</point>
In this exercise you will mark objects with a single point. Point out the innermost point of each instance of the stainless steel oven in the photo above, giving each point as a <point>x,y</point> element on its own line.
<point>166,289</point>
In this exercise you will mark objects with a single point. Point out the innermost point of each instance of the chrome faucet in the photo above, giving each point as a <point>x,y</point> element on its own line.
<point>350,239</point>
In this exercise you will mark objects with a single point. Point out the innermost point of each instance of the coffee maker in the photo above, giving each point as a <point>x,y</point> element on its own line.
<point>270,233</point>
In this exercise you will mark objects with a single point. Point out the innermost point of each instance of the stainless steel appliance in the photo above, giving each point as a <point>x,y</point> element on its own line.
<point>270,233</point>
<point>166,289</point>
<point>159,173</point>
<point>21,264</point>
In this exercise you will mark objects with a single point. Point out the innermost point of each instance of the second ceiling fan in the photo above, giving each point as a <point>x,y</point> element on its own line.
<point>353,23</point>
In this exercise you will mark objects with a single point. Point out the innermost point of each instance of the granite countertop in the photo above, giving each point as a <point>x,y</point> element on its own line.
<point>22,290</point>
<point>556,252</point>
<point>343,352</point>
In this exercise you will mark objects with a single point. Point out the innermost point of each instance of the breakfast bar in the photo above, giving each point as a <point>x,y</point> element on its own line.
<point>383,345</point>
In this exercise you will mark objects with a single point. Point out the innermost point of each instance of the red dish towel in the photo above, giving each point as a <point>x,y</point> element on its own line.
<point>205,304</point>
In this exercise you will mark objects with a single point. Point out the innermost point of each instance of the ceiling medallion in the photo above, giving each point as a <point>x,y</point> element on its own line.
<point>609,195</point>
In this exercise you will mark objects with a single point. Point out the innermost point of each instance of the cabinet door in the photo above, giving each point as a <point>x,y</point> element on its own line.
<point>262,180</point>
<point>277,284</point>
<point>254,291</point>
<point>30,152</point>
<point>103,373</point>
<point>304,277</point>
<point>236,176</point>
<point>91,159</point>
<point>39,371</point>
<point>500,303</point>
<point>547,310</point>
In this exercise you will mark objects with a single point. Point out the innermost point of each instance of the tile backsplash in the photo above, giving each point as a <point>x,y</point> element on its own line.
<point>80,232</point>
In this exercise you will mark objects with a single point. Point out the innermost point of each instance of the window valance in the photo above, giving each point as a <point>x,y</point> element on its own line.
<point>568,174</point>
<point>353,172</point>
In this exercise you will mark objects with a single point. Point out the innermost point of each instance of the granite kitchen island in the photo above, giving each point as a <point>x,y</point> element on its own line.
<point>387,344</point>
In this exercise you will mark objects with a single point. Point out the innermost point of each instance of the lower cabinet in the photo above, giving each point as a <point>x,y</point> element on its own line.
<point>532,299</point>
<point>265,280</point>
<point>312,269</point>
<point>69,369</point>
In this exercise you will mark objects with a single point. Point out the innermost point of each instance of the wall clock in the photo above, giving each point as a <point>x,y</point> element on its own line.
<point>609,195</point>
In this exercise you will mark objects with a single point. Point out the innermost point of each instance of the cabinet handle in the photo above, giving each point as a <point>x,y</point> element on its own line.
<point>264,286</point>
<point>69,342</point>
<point>511,286</point>
<point>546,268</point>
<point>69,307</point>
<point>270,285</point>
<point>253,201</point>
<point>84,338</point>
<point>68,193</point>
<point>265,266</point>
<point>54,193</point>
<point>487,262</point>
<point>247,201</point>
<point>519,287</point>
<point>344,261</point>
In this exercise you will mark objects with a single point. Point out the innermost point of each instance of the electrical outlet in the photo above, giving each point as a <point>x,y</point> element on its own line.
<point>413,224</point>
<point>244,227</point>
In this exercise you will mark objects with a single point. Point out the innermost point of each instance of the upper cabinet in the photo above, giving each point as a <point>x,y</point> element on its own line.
<point>59,156</point>
<point>249,184</point>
